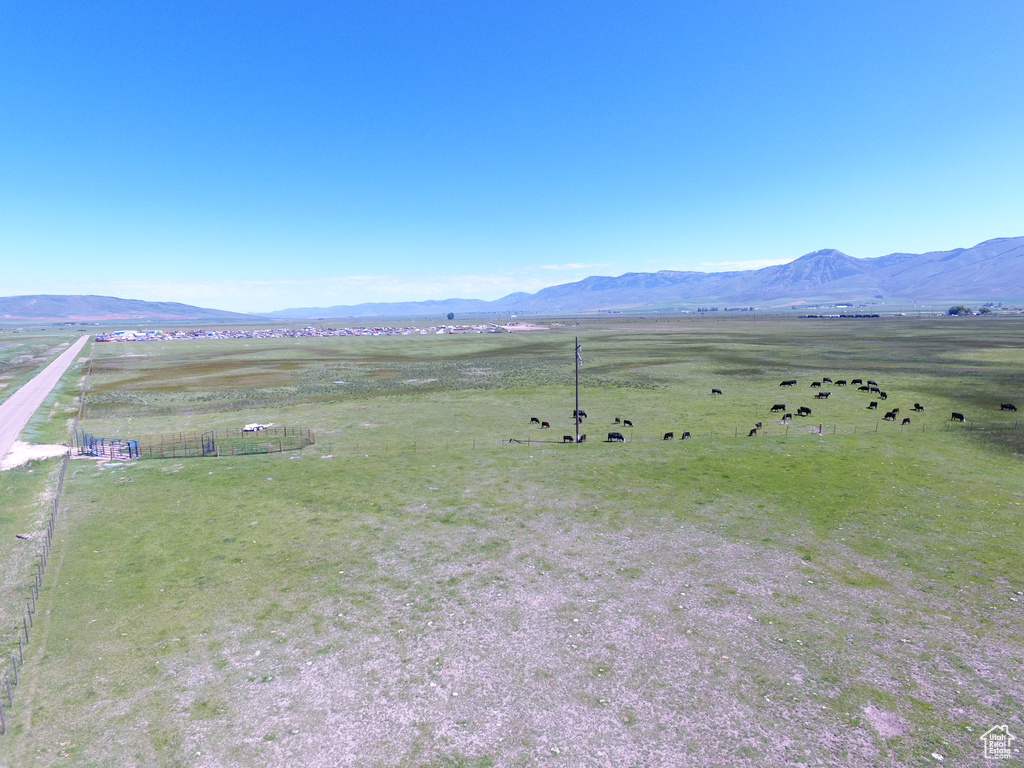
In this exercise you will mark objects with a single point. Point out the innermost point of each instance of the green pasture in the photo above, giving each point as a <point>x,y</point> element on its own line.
<point>436,582</point>
<point>23,355</point>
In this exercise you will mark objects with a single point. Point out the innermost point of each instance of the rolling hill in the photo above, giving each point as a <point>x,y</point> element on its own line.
<point>56,308</point>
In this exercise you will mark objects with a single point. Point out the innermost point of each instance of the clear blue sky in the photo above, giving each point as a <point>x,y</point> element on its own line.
<point>256,156</point>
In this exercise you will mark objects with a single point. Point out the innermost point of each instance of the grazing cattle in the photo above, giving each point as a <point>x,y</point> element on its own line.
<point>669,436</point>
<point>758,425</point>
<point>890,416</point>
<point>957,417</point>
<point>864,388</point>
<point>786,416</point>
<point>534,420</point>
<point>856,381</point>
<point>788,383</point>
<point>803,410</point>
<point>752,432</point>
<point>778,407</point>
<point>815,383</point>
<point>627,423</point>
<point>568,439</point>
<point>874,389</point>
<point>617,420</point>
<point>545,425</point>
<point>895,410</point>
<point>615,437</point>
<point>918,407</point>
<point>580,413</point>
<point>583,439</point>
<point>883,395</point>
<point>1007,407</point>
<point>841,383</point>
<point>823,395</point>
<point>716,391</point>
<point>872,382</point>
<point>872,405</point>
<point>826,378</point>
<point>905,421</point>
<point>685,435</point>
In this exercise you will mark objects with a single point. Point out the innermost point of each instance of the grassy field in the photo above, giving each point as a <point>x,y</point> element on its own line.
<point>23,355</point>
<point>416,590</point>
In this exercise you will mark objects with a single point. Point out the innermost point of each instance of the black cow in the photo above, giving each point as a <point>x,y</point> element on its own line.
<point>685,435</point>
<point>856,381</point>
<point>872,382</point>
<point>872,405</point>
<point>545,425</point>
<point>617,420</point>
<point>882,394</point>
<point>627,423</point>
<point>803,410</point>
<point>841,383</point>
<point>669,436</point>
<point>778,407</point>
<point>890,416</point>
<point>822,396</point>
<point>716,391</point>
<point>580,413</point>
<point>815,383</point>
<point>752,432</point>
<point>905,421</point>
<point>918,407</point>
<point>568,439</point>
<point>583,439</point>
<point>957,417</point>
<point>826,378</point>
<point>615,437</point>
<point>865,388</point>
<point>788,383</point>
<point>1007,407</point>
<point>874,389</point>
<point>534,420</point>
<point>786,416</point>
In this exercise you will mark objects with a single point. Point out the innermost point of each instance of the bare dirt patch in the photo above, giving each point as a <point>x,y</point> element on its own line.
<point>22,453</point>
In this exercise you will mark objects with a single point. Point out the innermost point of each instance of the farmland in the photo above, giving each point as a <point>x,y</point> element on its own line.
<point>417,590</point>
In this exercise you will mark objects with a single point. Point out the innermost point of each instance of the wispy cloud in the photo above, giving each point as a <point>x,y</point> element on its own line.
<point>733,266</point>
<point>268,295</point>
<point>571,267</point>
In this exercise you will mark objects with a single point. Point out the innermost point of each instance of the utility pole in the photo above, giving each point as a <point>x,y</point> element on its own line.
<point>576,411</point>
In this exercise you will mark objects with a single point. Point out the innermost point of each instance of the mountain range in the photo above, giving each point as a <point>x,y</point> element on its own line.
<point>990,271</point>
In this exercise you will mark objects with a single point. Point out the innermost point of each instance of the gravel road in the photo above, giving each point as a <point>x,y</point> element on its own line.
<point>17,409</point>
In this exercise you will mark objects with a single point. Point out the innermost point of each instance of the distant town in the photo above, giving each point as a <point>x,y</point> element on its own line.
<point>308,331</point>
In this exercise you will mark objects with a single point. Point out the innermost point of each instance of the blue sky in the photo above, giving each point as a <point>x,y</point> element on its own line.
<point>256,156</point>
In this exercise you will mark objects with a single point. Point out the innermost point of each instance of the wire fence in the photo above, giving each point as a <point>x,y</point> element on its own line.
<point>25,631</point>
<point>225,442</point>
<point>332,445</point>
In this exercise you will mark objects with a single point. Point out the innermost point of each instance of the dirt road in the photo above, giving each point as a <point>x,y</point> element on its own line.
<point>17,409</point>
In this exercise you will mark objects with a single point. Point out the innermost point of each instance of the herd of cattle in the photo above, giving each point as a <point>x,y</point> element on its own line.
<point>871,387</point>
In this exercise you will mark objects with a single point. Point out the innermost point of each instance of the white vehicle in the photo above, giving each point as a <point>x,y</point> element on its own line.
<point>255,427</point>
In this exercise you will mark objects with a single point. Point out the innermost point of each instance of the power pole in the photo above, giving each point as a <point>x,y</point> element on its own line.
<point>576,412</point>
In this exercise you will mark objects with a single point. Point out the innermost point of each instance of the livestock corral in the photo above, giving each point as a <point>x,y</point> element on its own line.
<point>737,568</point>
